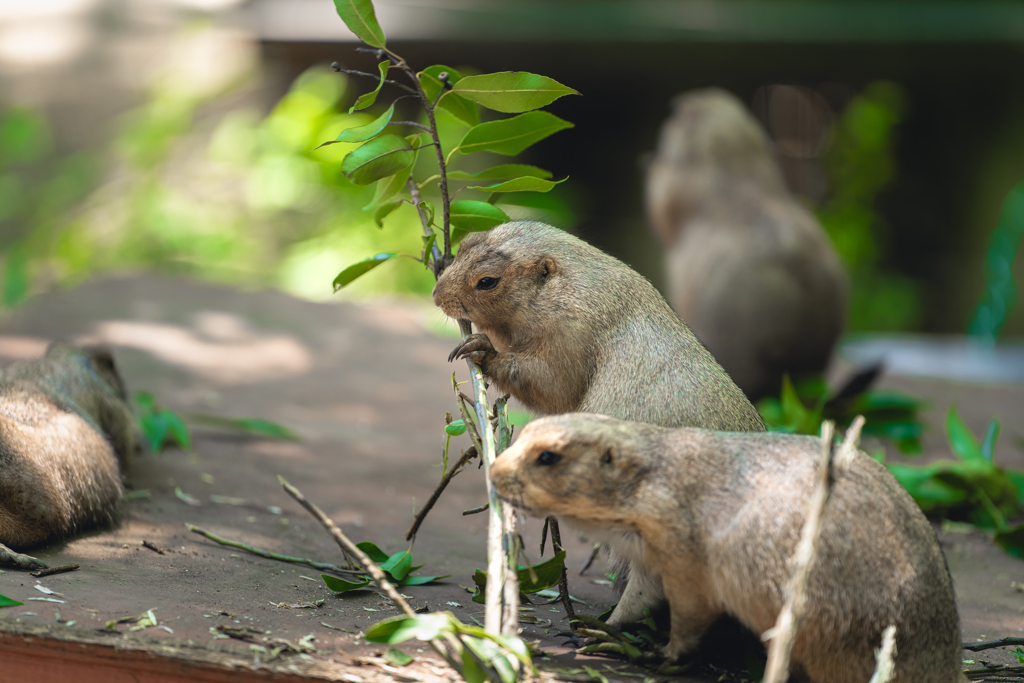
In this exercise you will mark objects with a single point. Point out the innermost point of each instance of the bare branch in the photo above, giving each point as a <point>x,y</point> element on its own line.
<point>783,633</point>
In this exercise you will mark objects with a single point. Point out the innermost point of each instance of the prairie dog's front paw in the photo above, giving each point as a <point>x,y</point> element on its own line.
<point>677,647</point>
<point>476,347</point>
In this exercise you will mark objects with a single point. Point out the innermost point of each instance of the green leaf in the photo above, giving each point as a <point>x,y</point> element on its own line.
<point>363,133</point>
<point>360,18</point>
<point>511,136</point>
<point>456,105</point>
<point>420,580</point>
<point>367,99</point>
<point>468,216</point>
<point>398,565</point>
<point>428,243</point>
<point>400,629</point>
<point>988,442</point>
<point>9,602</point>
<point>523,184</point>
<point>383,156</point>
<point>548,574</point>
<point>501,172</point>
<point>373,552</point>
<point>960,438</point>
<point>385,210</point>
<point>357,270</point>
<point>1016,477</point>
<point>886,399</point>
<point>511,92</point>
<point>1011,540</point>
<point>390,186</point>
<point>397,657</point>
<point>930,493</point>
<point>456,428</point>
<point>177,429</point>
<point>429,208</point>
<point>337,585</point>
<point>145,401</point>
<point>250,425</point>
<point>154,429</point>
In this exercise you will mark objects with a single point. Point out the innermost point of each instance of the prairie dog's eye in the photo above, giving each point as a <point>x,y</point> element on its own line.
<point>486,283</point>
<point>548,458</point>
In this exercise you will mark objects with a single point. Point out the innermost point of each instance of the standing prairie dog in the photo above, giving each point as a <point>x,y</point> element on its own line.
<point>720,515</point>
<point>749,268</point>
<point>565,327</point>
<point>65,438</point>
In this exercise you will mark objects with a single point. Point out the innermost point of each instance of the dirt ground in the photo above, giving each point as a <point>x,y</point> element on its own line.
<point>366,387</point>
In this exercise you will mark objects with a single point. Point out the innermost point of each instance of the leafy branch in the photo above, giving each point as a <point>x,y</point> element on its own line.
<point>388,160</point>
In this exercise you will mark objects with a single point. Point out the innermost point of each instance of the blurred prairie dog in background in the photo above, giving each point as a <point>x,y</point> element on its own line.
<point>749,269</point>
<point>720,514</point>
<point>65,437</point>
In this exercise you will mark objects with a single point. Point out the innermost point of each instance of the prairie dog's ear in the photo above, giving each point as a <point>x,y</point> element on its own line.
<point>547,266</point>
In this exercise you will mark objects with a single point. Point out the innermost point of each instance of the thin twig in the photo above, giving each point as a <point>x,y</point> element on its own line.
<point>477,510</point>
<point>989,644</point>
<point>590,560</point>
<point>381,579</point>
<point>783,633</point>
<point>414,124</point>
<point>510,577</point>
<point>427,230</point>
<point>154,547</point>
<point>376,77</point>
<point>55,570</point>
<point>465,405</point>
<point>563,580</point>
<point>323,566</point>
<point>544,534</point>
<point>466,457</point>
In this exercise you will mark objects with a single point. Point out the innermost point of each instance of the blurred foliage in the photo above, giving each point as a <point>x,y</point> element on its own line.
<point>1000,295</point>
<point>888,414</point>
<point>239,198</point>
<point>972,487</point>
<point>861,165</point>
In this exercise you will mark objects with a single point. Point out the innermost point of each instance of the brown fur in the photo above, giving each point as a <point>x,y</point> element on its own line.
<point>570,328</point>
<point>65,438</point>
<point>720,515</point>
<point>749,268</point>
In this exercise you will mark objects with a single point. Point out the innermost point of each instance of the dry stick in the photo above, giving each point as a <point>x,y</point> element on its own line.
<point>466,457</point>
<point>783,633</point>
<point>989,644</point>
<point>348,547</point>
<point>563,580</point>
<point>324,566</point>
<point>495,556</point>
<point>55,570</point>
<point>510,577</point>
<point>886,655</point>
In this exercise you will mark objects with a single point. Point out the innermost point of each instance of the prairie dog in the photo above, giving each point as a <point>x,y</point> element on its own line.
<point>65,438</point>
<point>565,327</point>
<point>720,515</point>
<point>749,268</point>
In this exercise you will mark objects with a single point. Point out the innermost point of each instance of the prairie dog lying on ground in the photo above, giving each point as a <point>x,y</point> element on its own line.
<point>720,515</point>
<point>749,268</point>
<point>65,437</point>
